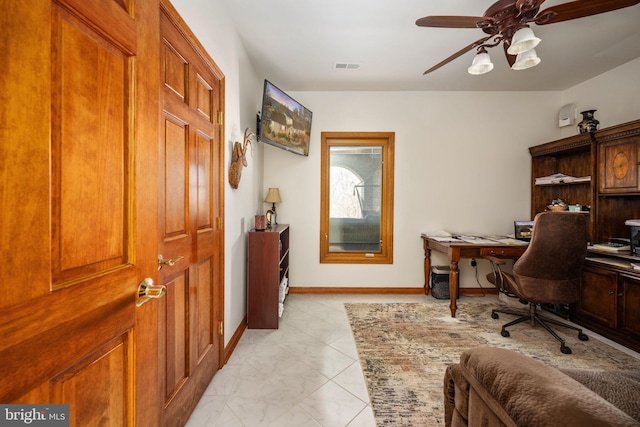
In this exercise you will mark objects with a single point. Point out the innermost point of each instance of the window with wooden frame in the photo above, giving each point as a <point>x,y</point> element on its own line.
<point>356,197</point>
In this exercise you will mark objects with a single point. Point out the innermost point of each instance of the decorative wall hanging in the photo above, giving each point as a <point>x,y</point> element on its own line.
<point>238,158</point>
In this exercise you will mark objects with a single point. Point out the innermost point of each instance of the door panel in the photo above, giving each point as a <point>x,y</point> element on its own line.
<point>97,383</point>
<point>176,170</point>
<point>90,139</point>
<point>176,309</point>
<point>76,207</point>
<point>189,218</point>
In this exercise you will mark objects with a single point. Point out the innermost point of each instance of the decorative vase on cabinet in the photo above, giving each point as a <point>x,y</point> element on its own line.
<point>588,123</point>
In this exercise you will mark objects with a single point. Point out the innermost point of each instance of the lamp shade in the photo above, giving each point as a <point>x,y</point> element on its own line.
<point>273,196</point>
<point>526,60</point>
<point>522,41</point>
<point>481,64</point>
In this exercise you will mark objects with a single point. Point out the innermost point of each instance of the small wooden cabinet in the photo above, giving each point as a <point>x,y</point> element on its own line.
<point>598,295</point>
<point>610,298</point>
<point>629,309</point>
<point>618,159</point>
<point>267,275</point>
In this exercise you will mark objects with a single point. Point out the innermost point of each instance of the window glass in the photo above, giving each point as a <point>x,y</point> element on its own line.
<point>357,197</point>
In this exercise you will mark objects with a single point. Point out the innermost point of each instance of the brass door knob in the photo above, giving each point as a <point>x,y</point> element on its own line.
<point>147,290</point>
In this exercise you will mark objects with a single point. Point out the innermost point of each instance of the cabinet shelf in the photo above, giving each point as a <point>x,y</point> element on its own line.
<point>267,268</point>
<point>561,184</point>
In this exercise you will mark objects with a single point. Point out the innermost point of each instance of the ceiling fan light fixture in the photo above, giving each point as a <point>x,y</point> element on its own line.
<point>481,64</point>
<point>526,60</point>
<point>522,41</point>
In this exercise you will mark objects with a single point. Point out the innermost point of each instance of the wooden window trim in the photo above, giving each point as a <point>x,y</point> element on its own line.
<point>386,140</point>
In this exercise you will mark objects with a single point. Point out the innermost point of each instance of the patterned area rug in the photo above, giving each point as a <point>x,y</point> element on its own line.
<point>404,349</point>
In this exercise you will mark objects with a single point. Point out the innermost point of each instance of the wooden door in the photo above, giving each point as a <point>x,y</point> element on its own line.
<point>190,218</point>
<point>78,187</point>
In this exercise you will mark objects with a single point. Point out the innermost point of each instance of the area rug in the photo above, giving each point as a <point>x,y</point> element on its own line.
<point>404,349</point>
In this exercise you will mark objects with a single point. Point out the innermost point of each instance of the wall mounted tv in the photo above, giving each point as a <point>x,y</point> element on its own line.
<point>285,123</point>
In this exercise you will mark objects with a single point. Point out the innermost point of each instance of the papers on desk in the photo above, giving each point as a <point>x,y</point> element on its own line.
<point>612,247</point>
<point>446,237</point>
<point>442,236</point>
<point>451,239</point>
<point>508,241</point>
<point>477,240</point>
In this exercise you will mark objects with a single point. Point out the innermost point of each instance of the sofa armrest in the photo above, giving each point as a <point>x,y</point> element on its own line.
<point>531,393</point>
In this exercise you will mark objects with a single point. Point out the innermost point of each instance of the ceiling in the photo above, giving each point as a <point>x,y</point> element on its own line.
<point>296,43</point>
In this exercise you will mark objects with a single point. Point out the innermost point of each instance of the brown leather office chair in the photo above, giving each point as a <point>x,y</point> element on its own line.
<point>549,271</point>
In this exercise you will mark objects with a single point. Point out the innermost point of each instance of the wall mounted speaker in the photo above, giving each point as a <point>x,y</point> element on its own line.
<point>567,116</point>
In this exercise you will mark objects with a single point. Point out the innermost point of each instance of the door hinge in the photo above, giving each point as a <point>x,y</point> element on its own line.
<point>220,118</point>
<point>219,223</point>
<point>221,328</point>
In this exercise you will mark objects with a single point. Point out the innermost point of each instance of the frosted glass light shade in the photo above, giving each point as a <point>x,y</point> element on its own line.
<point>522,41</point>
<point>481,64</point>
<point>526,60</point>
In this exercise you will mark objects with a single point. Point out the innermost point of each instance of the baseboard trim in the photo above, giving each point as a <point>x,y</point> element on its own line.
<point>478,291</point>
<point>233,342</point>
<point>363,291</point>
<point>382,291</point>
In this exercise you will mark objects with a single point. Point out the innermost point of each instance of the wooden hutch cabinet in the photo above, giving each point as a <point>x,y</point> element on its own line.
<point>618,159</point>
<point>267,269</point>
<point>573,156</point>
<point>610,291</point>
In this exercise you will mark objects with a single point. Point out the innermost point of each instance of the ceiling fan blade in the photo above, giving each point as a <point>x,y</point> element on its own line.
<point>511,59</point>
<point>452,21</point>
<point>458,54</point>
<point>580,9</point>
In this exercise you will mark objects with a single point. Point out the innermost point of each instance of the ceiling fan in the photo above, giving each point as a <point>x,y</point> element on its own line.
<point>507,22</point>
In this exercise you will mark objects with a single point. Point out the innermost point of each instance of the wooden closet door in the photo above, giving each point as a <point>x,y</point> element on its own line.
<point>190,218</point>
<point>78,195</point>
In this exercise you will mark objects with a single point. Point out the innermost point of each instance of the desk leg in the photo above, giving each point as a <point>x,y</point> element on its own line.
<point>453,286</point>
<point>427,266</point>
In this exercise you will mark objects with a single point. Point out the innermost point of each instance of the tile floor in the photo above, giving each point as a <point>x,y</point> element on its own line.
<point>304,374</point>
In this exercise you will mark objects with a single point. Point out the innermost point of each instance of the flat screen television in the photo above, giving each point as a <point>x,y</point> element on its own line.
<point>284,123</point>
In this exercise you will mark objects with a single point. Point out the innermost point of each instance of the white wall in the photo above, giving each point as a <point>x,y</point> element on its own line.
<point>461,161</point>
<point>243,93</point>
<point>616,96</point>
<point>461,164</point>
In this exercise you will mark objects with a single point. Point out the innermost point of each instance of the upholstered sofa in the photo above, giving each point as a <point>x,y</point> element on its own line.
<point>499,387</point>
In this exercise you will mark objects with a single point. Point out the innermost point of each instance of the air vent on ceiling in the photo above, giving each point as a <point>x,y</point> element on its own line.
<point>345,66</point>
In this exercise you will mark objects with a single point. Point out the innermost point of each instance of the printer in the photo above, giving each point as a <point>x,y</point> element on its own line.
<point>634,224</point>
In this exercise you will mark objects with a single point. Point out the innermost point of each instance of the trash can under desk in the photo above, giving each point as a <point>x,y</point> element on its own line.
<point>440,282</point>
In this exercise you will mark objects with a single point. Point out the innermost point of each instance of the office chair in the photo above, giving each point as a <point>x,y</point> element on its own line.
<point>549,271</point>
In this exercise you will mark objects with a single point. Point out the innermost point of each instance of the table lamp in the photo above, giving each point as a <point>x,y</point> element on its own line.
<point>273,197</point>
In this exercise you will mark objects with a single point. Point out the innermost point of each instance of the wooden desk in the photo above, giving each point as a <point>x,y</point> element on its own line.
<point>458,251</point>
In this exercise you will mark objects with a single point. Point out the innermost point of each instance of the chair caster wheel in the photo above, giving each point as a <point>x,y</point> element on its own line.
<point>505,333</point>
<point>583,337</point>
<point>564,349</point>
<point>494,315</point>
